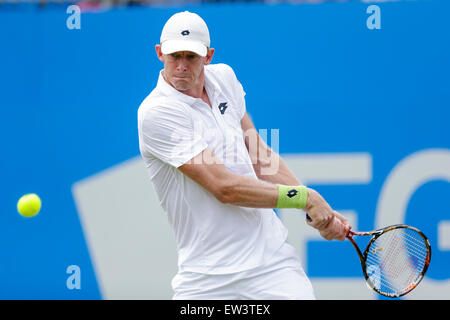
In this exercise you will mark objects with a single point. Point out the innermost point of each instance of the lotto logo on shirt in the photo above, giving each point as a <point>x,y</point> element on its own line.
<point>222,107</point>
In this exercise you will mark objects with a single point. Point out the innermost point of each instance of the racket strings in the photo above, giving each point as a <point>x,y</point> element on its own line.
<point>395,261</point>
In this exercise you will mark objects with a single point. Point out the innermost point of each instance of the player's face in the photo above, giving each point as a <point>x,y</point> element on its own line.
<point>184,69</point>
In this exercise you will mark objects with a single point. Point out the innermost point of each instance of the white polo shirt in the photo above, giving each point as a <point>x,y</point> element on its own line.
<point>211,237</point>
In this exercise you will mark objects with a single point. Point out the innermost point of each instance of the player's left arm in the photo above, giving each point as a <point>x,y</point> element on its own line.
<point>268,164</point>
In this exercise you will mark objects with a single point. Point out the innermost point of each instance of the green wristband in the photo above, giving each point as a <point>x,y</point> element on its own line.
<point>292,197</point>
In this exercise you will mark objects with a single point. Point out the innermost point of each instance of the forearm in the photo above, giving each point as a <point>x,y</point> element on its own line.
<point>271,170</point>
<point>246,191</point>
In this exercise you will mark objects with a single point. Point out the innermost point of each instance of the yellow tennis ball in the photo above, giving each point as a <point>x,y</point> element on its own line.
<point>29,205</point>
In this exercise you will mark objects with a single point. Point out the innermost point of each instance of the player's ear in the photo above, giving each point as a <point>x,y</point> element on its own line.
<point>209,55</point>
<point>159,53</point>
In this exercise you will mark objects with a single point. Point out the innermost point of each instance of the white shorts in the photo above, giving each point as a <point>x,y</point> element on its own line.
<point>282,278</point>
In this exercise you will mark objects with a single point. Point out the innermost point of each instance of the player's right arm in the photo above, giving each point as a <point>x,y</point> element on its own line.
<point>250,192</point>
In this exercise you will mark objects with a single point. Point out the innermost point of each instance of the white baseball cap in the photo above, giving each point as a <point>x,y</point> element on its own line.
<point>185,31</point>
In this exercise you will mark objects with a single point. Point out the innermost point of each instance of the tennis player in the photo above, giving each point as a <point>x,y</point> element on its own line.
<point>212,173</point>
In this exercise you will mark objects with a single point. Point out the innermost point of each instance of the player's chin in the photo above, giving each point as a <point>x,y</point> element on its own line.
<point>182,84</point>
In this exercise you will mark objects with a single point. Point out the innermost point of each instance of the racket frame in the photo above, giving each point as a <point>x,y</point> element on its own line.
<point>375,235</point>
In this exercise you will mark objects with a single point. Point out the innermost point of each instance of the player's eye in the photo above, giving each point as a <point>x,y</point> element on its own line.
<point>177,56</point>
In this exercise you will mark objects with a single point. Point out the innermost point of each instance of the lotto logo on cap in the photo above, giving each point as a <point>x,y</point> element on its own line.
<point>185,31</point>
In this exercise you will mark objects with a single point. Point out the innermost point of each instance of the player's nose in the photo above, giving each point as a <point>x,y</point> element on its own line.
<point>182,64</point>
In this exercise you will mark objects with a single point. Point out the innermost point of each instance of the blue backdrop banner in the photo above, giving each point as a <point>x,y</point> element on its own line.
<point>357,99</point>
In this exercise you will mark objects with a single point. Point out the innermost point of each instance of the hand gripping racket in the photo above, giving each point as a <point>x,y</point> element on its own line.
<point>395,260</point>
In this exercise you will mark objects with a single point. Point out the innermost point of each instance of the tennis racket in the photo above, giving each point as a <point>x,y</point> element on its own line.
<point>395,259</point>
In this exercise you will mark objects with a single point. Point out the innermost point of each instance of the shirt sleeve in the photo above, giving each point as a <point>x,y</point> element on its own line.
<point>238,89</point>
<point>168,133</point>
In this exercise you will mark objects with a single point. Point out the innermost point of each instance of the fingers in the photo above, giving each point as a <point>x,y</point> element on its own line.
<point>342,219</point>
<point>336,230</point>
<point>320,220</point>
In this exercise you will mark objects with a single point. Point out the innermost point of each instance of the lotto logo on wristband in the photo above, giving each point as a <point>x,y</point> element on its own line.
<point>292,197</point>
<point>292,193</point>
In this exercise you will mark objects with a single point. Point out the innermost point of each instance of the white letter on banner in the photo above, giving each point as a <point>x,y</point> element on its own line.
<point>73,21</point>
<point>74,280</point>
<point>374,21</point>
